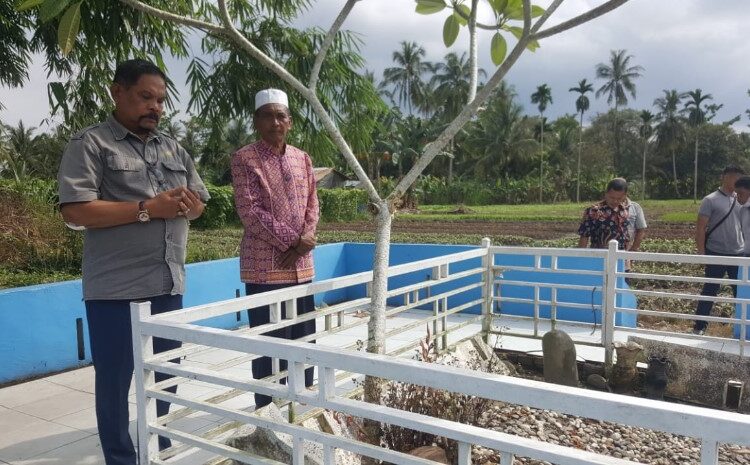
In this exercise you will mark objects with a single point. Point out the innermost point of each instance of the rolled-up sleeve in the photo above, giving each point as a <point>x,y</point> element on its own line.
<point>258,221</point>
<point>80,173</point>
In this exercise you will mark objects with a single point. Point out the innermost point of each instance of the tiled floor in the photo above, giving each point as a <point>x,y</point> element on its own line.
<point>51,421</point>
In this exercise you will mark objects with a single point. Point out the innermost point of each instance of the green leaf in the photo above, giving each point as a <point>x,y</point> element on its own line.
<point>514,9</point>
<point>498,5</point>
<point>466,11</point>
<point>450,30</point>
<point>58,89</point>
<point>51,9</point>
<point>24,5</point>
<point>498,48</point>
<point>537,11</point>
<point>428,7</point>
<point>67,31</point>
<point>516,31</point>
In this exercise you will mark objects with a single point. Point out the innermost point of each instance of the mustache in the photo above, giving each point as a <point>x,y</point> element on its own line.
<point>153,116</point>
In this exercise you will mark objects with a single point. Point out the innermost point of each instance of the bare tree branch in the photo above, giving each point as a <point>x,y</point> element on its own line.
<point>328,41</point>
<point>308,94</point>
<point>473,62</point>
<point>167,16</point>
<point>578,20</point>
<point>547,13</point>
<point>433,149</point>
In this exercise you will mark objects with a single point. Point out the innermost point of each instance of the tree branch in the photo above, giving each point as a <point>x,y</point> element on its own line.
<point>328,41</point>
<point>547,13</point>
<point>578,20</point>
<point>175,18</point>
<point>308,95</point>
<point>488,27</point>
<point>434,148</point>
<point>473,62</point>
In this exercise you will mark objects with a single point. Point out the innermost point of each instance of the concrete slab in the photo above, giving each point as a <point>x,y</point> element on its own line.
<point>23,393</point>
<point>57,406</point>
<point>86,451</point>
<point>23,443</point>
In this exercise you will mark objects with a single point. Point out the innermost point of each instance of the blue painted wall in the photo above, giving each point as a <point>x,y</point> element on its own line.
<point>591,296</point>
<point>38,323</point>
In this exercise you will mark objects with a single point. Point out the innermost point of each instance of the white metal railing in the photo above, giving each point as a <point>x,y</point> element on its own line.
<point>334,364</point>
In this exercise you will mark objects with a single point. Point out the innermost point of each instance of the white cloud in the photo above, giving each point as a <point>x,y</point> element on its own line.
<point>682,44</point>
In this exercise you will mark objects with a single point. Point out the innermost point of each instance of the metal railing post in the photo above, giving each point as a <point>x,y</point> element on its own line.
<point>143,348</point>
<point>609,302</point>
<point>487,297</point>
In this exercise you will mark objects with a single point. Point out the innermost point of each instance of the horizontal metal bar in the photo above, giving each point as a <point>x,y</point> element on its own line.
<point>544,285</point>
<point>679,316</point>
<point>548,252</point>
<point>676,278</point>
<point>683,258</point>
<point>547,302</point>
<point>676,295</point>
<point>679,419</point>
<point>214,309</point>
<point>567,271</point>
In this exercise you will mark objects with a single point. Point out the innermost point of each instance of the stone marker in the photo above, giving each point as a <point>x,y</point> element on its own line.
<point>560,366</point>
<point>624,377</point>
<point>434,453</point>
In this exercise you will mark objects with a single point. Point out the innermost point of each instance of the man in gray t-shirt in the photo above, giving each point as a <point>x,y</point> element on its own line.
<point>133,190</point>
<point>719,232</point>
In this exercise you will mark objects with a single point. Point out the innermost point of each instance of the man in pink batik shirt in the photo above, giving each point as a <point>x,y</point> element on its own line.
<point>274,191</point>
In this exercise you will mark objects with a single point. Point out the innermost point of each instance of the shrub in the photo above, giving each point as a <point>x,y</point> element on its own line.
<point>220,210</point>
<point>33,235</point>
<point>40,191</point>
<point>342,204</point>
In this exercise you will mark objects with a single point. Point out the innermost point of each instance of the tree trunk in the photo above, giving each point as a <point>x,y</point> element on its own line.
<point>695,171</point>
<point>643,176</point>
<point>473,63</point>
<point>373,388</point>
<point>674,173</point>
<point>578,175</point>
<point>616,131</point>
<point>541,164</point>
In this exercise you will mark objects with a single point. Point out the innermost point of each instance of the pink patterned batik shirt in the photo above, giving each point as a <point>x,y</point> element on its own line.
<point>277,203</point>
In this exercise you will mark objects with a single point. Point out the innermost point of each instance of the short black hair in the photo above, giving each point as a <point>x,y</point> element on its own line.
<point>733,169</point>
<point>128,72</point>
<point>742,183</point>
<point>617,184</point>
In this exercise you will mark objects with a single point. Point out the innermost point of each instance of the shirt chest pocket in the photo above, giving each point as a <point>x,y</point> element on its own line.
<point>175,172</point>
<point>124,173</point>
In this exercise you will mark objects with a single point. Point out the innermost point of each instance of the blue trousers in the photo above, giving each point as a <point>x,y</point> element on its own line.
<point>711,289</point>
<point>262,315</point>
<point>111,340</point>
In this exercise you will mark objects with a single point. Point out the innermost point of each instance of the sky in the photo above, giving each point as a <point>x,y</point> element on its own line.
<point>681,44</point>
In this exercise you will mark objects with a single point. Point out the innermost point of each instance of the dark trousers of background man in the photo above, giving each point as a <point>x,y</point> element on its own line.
<point>262,315</point>
<point>112,353</point>
<point>711,289</point>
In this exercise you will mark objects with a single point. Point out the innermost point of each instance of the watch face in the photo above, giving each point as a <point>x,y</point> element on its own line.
<point>143,217</point>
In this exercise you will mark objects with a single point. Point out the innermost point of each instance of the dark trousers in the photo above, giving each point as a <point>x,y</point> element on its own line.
<point>262,315</point>
<point>711,289</point>
<point>112,354</point>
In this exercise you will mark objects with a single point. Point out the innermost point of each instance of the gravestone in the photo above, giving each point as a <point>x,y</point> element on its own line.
<point>560,365</point>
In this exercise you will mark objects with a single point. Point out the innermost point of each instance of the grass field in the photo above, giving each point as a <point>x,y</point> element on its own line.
<point>678,211</point>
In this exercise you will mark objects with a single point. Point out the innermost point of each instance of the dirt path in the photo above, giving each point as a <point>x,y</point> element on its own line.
<point>532,229</point>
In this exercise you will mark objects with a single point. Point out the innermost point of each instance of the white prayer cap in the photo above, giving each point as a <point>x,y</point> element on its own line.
<point>264,97</point>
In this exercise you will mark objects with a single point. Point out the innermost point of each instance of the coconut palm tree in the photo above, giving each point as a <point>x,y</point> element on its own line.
<point>696,118</point>
<point>542,97</point>
<point>619,78</point>
<point>646,130</point>
<point>406,76</point>
<point>450,91</point>
<point>670,131</point>
<point>582,106</point>
<point>18,155</point>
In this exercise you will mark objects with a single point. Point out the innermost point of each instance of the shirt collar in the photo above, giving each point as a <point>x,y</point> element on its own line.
<point>120,132</point>
<point>268,151</point>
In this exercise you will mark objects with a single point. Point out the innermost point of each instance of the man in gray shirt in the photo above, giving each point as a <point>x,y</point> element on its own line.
<point>133,189</point>
<point>719,232</point>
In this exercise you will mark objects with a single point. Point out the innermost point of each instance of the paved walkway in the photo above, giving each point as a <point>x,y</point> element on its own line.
<point>51,421</point>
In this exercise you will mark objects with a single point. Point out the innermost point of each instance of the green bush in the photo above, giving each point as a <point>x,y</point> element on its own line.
<point>220,210</point>
<point>342,204</point>
<point>42,191</point>
<point>431,190</point>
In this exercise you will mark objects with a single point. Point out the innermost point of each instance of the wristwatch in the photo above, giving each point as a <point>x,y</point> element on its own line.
<point>143,214</point>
